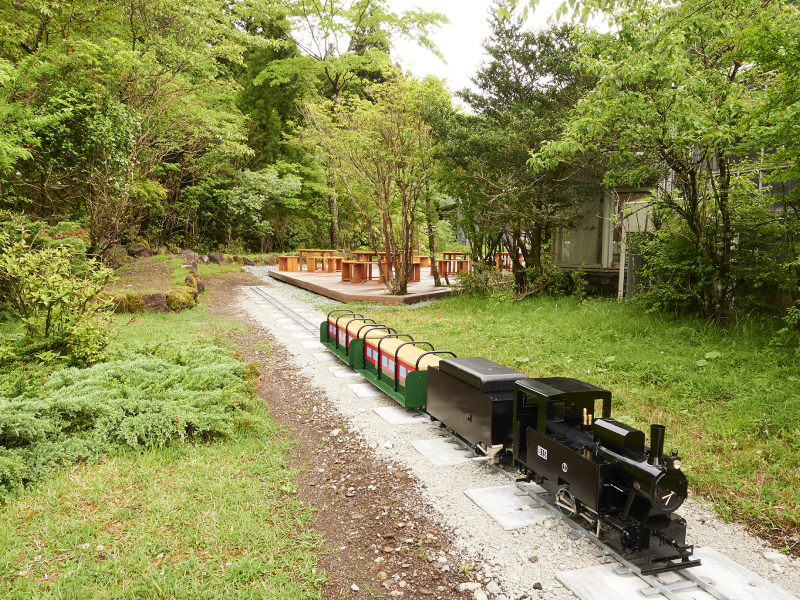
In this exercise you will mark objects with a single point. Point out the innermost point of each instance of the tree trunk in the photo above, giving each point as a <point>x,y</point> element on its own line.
<point>431,218</point>
<point>334,203</point>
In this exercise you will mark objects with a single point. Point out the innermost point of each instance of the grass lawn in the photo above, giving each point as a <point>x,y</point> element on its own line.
<point>192,520</point>
<point>729,399</point>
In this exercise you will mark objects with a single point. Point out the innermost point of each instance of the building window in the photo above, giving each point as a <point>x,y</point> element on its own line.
<point>584,244</point>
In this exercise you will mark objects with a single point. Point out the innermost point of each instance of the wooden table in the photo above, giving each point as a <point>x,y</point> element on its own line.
<point>356,271</point>
<point>415,272</point>
<point>287,263</point>
<point>361,256</point>
<point>308,252</point>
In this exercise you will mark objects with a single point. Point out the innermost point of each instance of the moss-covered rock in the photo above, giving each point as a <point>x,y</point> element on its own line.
<point>182,298</point>
<point>119,301</point>
<point>116,257</point>
<point>190,281</point>
<point>135,303</point>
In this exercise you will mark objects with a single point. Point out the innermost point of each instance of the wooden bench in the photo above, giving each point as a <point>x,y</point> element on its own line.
<point>287,263</point>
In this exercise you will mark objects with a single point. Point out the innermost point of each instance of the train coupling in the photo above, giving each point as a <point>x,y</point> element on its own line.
<point>489,453</point>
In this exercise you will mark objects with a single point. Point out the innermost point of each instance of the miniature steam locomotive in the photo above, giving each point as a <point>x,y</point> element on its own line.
<point>595,469</point>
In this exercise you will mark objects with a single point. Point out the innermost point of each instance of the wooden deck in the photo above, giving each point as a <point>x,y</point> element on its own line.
<point>332,286</point>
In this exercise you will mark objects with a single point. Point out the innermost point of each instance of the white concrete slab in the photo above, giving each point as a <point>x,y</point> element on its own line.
<point>730,578</point>
<point>313,345</point>
<point>399,415</point>
<point>302,336</point>
<point>440,453</point>
<point>290,327</point>
<point>365,390</point>
<point>277,315</point>
<point>506,508</point>
<point>342,372</point>
<point>324,356</point>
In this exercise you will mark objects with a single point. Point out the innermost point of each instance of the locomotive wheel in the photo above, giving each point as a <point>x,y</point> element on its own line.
<point>565,502</point>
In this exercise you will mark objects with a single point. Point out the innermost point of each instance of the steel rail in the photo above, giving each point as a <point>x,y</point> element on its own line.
<point>302,321</point>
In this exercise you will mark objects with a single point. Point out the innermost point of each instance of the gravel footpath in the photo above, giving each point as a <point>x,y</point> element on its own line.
<point>511,562</point>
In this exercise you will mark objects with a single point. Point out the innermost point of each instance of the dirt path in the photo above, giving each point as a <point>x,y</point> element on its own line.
<point>379,540</point>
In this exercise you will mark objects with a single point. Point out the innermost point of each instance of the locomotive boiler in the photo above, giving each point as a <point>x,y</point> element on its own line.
<point>599,470</point>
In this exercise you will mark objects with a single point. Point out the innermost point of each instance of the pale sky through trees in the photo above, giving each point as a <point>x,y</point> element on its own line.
<point>460,41</point>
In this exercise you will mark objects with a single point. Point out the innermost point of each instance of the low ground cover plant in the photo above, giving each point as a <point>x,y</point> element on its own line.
<point>146,398</point>
<point>729,397</point>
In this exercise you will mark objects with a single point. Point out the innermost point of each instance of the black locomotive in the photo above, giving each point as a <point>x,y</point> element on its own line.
<point>600,470</point>
<point>596,469</point>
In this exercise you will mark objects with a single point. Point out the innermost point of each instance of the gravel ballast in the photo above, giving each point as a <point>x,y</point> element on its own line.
<point>509,564</point>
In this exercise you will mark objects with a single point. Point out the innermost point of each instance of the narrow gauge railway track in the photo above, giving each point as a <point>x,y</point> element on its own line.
<point>668,591</point>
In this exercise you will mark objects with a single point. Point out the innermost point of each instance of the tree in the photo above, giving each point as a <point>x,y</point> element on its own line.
<point>339,42</point>
<point>382,151</point>
<point>673,90</point>
<point>525,90</point>
<point>260,199</point>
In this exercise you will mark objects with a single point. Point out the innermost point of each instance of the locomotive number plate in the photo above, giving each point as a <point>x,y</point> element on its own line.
<point>542,452</point>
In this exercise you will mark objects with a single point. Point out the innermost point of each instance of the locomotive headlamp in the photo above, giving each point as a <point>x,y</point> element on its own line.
<point>676,464</point>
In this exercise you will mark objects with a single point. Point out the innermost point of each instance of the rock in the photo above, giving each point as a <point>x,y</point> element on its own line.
<point>215,257</point>
<point>174,250</point>
<point>335,432</point>
<point>182,298</point>
<point>136,249</point>
<point>396,594</point>
<point>537,586</point>
<point>501,597</point>
<point>480,595</point>
<point>248,262</point>
<point>425,592</point>
<point>533,559</point>
<point>778,569</point>
<point>776,558</point>
<point>156,303</point>
<point>549,523</point>
<point>147,253</point>
<point>190,256</point>
<point>204,259</point>
<point>271,260</point>
<point>470,586</point>
<point>382,575</point>
<point>373,445</point>
<point>354,587</point>
<point>201,286</point>
<point>387,445</point>
<point>493,588</point>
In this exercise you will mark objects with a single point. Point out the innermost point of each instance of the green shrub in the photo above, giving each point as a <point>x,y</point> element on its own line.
<point>61,312</point>
<point>487,282</point>
<point>182,298</point>
<point>145,398</point>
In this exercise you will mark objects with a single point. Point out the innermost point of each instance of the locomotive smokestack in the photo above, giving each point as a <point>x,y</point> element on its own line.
<point>656,444</point>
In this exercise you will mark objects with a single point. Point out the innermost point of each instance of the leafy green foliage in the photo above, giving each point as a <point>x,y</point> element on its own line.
<point>60,311</point>
<point>142,399</point>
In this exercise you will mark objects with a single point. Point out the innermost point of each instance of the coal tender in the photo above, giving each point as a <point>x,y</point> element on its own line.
<point>600,470</point>
<point>475,398</point>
